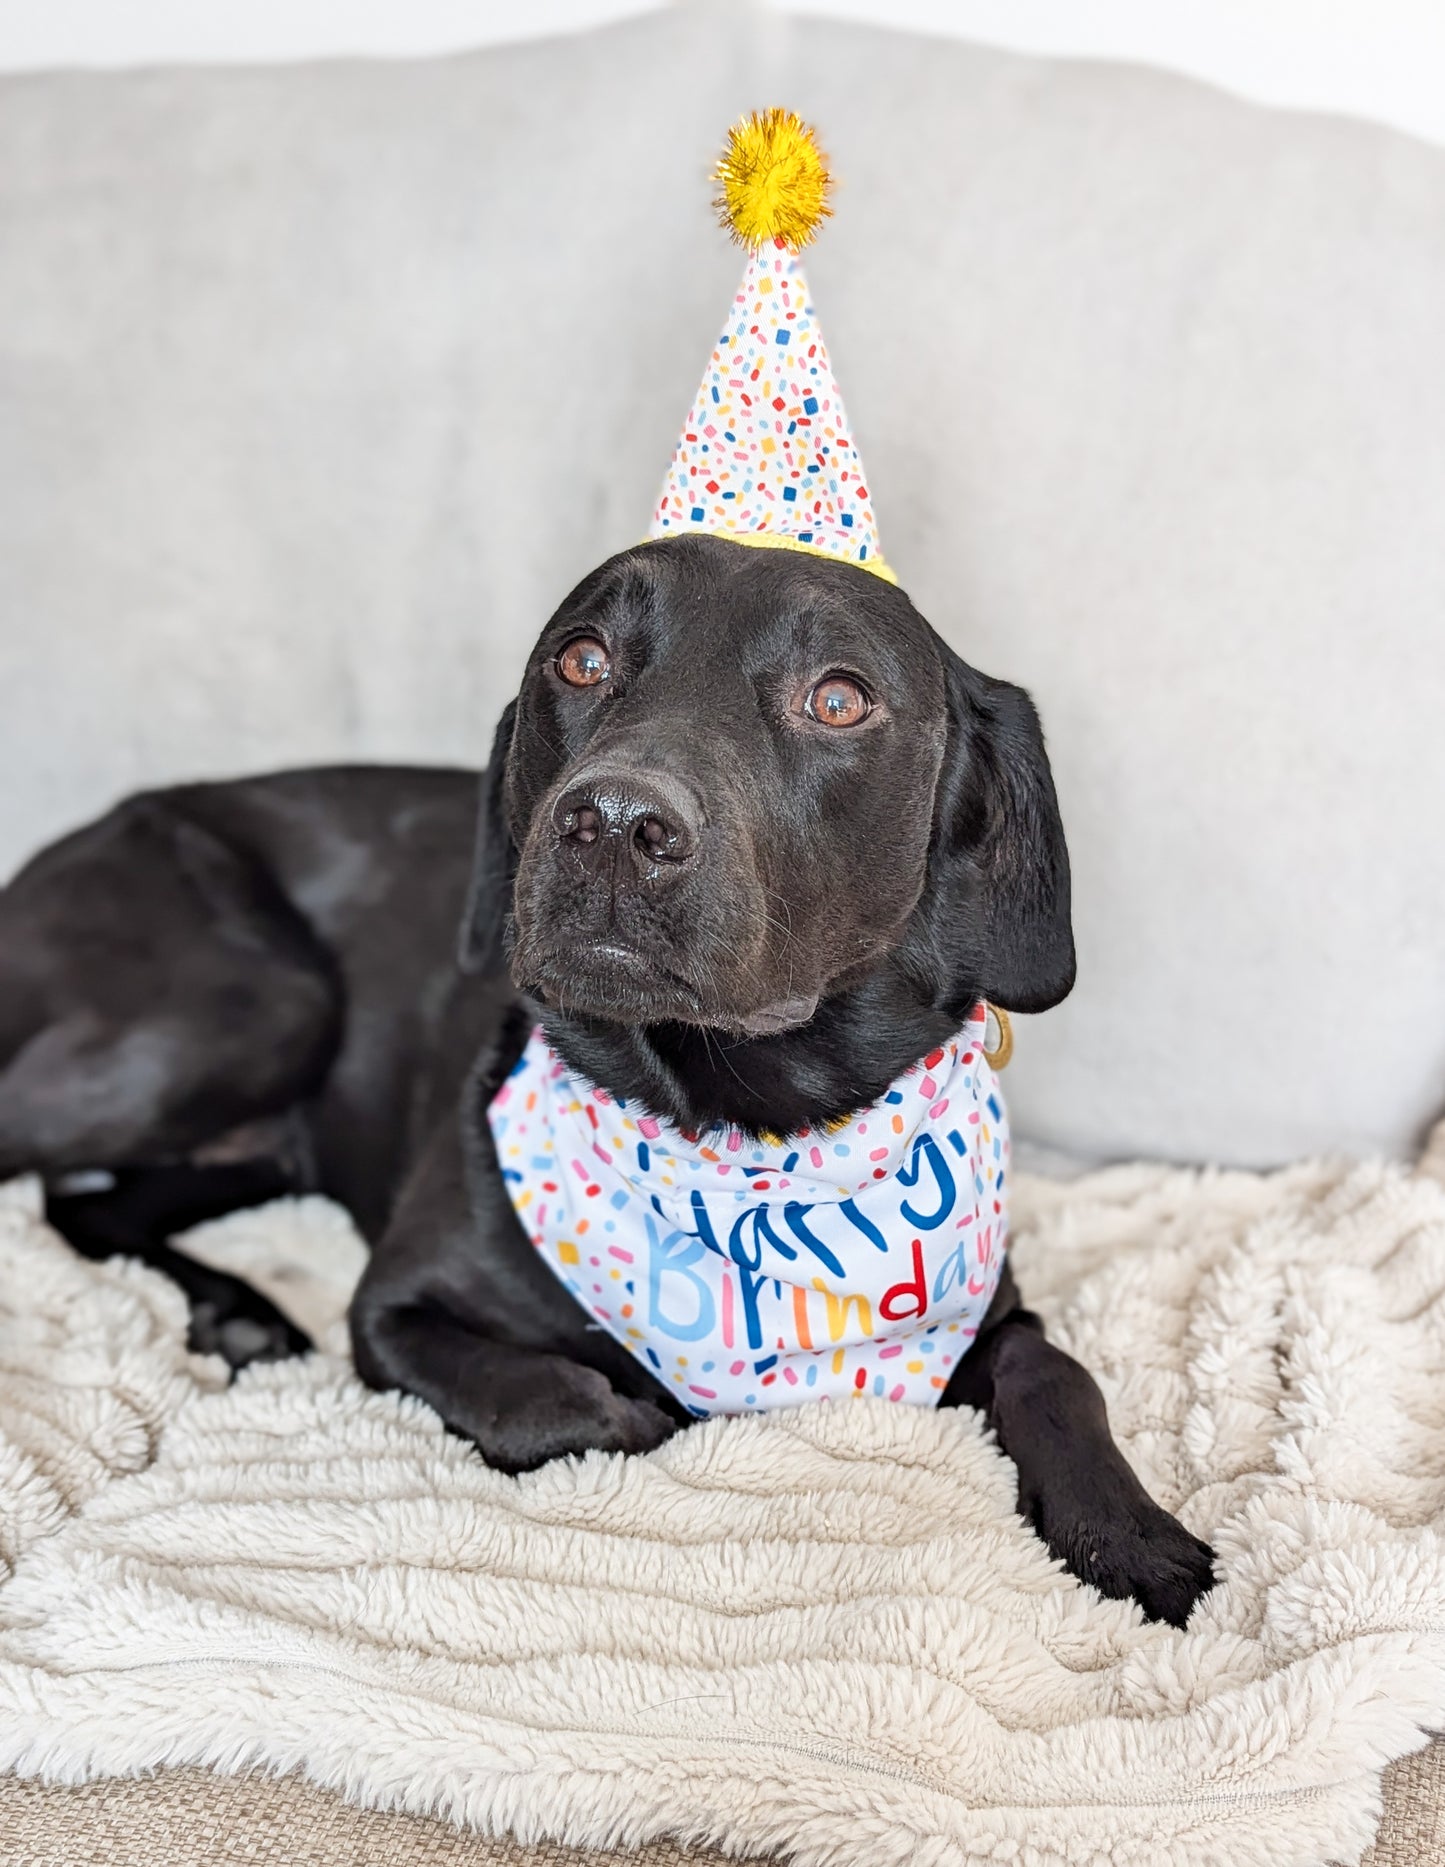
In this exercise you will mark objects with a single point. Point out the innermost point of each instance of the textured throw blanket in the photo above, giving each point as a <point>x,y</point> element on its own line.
<point>822,1631</point>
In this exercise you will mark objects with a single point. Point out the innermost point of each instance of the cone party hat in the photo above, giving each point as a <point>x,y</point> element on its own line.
<point>766,456</point>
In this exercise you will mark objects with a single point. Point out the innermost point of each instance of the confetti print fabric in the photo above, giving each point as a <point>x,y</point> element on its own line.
<point>754,1274</point>
<point>767,453</point>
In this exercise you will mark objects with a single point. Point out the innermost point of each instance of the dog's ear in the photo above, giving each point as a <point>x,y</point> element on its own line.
<point>999,862</point>
<point>481,943</point>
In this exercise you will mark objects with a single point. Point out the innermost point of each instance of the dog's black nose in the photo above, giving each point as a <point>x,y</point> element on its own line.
<point>635,824</point>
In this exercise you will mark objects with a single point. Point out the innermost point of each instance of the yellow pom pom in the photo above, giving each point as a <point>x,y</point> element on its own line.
<point>774,179</point>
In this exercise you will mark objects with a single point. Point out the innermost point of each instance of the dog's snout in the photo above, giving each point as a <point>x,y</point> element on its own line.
<point>629,822</point>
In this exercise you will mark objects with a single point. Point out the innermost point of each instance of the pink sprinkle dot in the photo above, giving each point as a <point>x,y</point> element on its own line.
<point>928,1087</point>
<point>790,1376</point>
<point>939,1108</point>
<point>895,1348</point>
<point>815,1154</point>
<point>737,1367</point>
<point>735,1140</point>
<point>650,1126</point>
<point>897,1392</point>
<point>878,1153</point>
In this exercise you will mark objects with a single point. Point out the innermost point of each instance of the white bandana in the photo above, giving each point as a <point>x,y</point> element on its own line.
<point>755,1274</point>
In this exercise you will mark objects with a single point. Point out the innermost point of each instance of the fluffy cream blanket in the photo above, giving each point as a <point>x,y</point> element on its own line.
<point>824,1631</point>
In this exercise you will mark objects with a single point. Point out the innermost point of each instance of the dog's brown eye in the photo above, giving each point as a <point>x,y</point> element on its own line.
<point>584,662</point>
<point>838,701</point>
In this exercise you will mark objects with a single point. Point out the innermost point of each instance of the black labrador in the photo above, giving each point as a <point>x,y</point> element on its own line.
<point>753,840</point>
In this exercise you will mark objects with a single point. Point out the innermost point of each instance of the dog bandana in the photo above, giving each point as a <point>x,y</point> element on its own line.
<point>755,1274</point>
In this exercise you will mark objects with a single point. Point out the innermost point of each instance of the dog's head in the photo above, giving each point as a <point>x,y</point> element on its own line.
<point>740,785</point>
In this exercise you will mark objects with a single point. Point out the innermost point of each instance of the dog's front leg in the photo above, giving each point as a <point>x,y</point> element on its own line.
<point>456,1307</point>
<point>520,1406</point>
<point>1075,1486</point>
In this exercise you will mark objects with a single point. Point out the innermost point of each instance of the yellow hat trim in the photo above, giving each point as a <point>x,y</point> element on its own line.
<point>774,541</point>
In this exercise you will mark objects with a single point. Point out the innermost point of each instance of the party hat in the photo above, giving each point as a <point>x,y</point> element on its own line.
<point>766,456</point>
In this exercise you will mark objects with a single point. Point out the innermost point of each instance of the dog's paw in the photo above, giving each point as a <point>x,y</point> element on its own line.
<point>571,1410</point>
<point>632,1425</point>
<point>1130,1548</point>
<point>241,1335</point>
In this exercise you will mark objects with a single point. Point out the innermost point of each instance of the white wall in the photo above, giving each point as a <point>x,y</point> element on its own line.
<point>1375,58</point>
<point>1371,58</point>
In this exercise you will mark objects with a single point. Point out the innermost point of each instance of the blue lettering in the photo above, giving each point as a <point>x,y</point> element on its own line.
<point>927,1148</point>
<point>673,1254</point>
<point>866,1226</point>
<point>795,1212</point>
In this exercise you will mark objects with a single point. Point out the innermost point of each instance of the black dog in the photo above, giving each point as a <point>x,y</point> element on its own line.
<point>752,839</point>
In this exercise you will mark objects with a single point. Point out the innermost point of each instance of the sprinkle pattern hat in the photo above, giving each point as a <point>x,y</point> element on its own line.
<point>767,456</point>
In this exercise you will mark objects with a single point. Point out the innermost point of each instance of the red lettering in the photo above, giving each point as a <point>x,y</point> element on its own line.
<point>915,1291</point>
